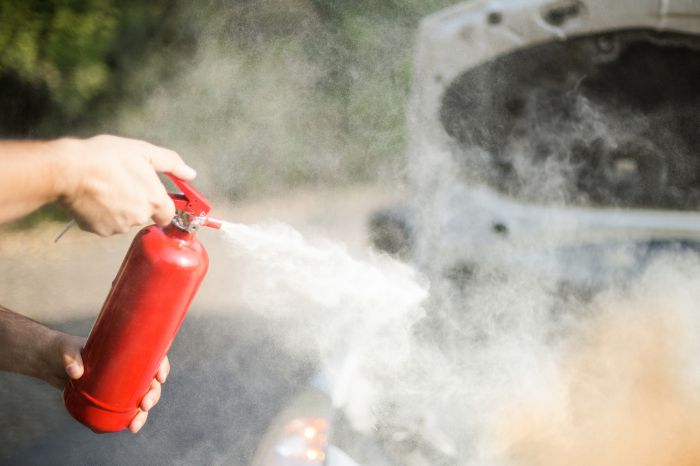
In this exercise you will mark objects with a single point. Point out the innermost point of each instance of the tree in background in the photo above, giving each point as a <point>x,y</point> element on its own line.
<point>260,94</point>
<point>58,58</point>
<point>54,51</point>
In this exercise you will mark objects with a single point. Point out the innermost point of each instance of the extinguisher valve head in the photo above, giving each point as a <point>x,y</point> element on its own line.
<point>192,209</point>
<point>187,221</point>
<point>193,227</point>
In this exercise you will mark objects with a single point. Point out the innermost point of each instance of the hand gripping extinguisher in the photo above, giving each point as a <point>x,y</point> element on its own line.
<point>144,309</point>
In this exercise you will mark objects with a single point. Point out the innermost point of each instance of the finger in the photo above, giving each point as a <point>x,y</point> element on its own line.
<point>163,370</point>
<point>138,422</point>
<point>151,397</point>
<point>72,360</point>
<point>168,161</point>
<point>164,211</point>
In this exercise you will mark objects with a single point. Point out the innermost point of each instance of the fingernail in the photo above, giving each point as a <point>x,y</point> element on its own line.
<point>149,404</point>
<point>136,425</point>
<point>73,370</point>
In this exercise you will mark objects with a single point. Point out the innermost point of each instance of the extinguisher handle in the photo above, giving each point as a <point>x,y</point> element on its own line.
<point>190,200</point>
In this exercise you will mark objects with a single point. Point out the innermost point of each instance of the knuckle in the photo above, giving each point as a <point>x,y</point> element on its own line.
<point>176,159</point>
<point>104,231</point>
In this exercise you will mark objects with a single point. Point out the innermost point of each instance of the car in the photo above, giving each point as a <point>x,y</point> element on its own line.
<point>552,155</point>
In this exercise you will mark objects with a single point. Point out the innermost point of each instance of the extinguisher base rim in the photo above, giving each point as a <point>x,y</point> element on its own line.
<point>97,416</point>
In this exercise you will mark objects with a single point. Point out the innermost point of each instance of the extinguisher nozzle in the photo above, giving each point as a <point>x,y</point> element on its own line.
<point>213,222</point>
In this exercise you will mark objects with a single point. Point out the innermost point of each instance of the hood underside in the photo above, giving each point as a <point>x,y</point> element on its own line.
<point>605,120</point>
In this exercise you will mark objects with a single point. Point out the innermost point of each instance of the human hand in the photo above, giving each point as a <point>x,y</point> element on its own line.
<point>65,362</point>
<point>111,182</point>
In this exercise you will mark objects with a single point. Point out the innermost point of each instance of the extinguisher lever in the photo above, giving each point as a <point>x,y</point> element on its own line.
<point>179,200</point>
<point>192,202</point>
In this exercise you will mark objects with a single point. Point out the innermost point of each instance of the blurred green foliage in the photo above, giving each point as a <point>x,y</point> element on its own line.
<point>258,95</point>
<point>61,61</point>
<point>61,44</point>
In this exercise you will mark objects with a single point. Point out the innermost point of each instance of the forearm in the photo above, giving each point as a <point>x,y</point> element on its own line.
<point>34,173</point>
<point>24,344</point>
<point>106,183</point>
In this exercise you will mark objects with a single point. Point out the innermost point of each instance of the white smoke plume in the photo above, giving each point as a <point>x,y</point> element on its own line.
<point>509,373</point>
<point>358,315</point>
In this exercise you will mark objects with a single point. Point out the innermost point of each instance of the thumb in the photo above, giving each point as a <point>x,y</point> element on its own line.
<point>72,360</point>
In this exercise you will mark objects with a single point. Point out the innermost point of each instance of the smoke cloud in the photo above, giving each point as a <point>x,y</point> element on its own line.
<point>506,367</point>
<point>625,392</point>
<point>509,373</point>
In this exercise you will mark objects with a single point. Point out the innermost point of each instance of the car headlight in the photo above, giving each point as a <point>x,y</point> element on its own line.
<point>303,440</point>
<point>299,435</point>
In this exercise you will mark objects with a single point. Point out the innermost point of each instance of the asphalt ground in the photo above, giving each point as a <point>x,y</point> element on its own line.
<point>230,377</point>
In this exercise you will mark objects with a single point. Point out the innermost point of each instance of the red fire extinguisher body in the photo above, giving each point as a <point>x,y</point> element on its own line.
<point>143,311</point>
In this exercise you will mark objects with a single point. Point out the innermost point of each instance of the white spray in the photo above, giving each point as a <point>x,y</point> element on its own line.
<point>347,308</point>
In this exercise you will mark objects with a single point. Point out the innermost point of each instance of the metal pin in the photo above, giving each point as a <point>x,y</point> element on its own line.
<point>64,231</point>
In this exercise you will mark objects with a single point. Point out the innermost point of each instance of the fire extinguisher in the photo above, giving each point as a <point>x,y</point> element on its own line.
<point>144,309</point>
